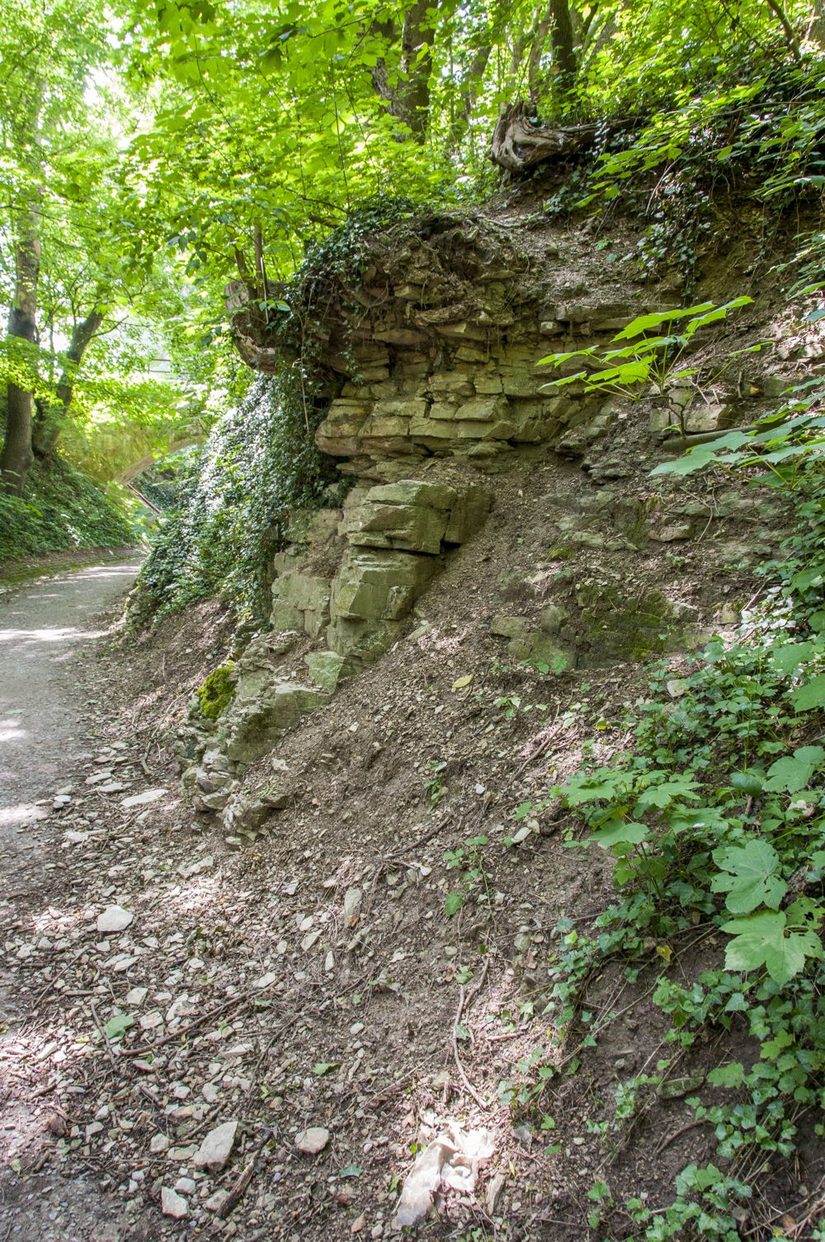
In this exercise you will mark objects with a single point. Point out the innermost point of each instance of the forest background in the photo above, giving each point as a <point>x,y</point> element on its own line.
<point>151,153</point>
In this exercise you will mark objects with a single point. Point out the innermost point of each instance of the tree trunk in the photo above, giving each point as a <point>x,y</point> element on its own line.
<point>519,141</point>
<point>17,456</point>
<point>51,414</point>
<point>564,51</point>
<point>409,100</point>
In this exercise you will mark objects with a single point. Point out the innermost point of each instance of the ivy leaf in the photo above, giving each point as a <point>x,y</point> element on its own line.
<point>321,1068</point>
<point>730,1075</point>
<point>117,1026</point>
<point>453,903</point>
<point>461,682</point>
<point>751,880</point>
<point>763,941</point>
<point>350,1170</point>
<point>811,695</point>
<point>794,773</point>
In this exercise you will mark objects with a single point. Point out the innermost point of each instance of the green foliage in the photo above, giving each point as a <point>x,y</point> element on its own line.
<point>61,510</point>
<point>467,860</point>
<point>216,691</point>
<point>651,361</point>
<point>258,465</point>
<point>715,816</point>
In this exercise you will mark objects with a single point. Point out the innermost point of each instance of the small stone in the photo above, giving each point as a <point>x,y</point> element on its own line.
<point>676,1088</point>
<point>159,1143</point>
<point>172,1204</point>
<point>673,533</point>
<point>210,1092</point>
<point>358,1224</point>
<point>185,1185</point>
<point>136,996</point>
<point>114,919</point>
<point>216,1201</point>
<point>728,615</point>
<point>216,1147</point>
<point>143,799</point>
<point>352,906</point>
<point>494,1192</point>
<point>181,1155</point>
<point>312,1141</point>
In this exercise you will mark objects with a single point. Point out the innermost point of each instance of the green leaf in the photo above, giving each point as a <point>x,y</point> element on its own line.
<point>763,941</point>
<point>712,316</point>
<point>695,460</point>
<point>643,323</point>
<point>117,1026</point>
<point>321,1068</point>
<point>750,783</point>
<point>620,833</point>
<point>811,695</point>
<point>453,903</point>
<point>794,773</point>
<point>668,791</point>
<point>789,656</point>
<point>751,880</point>
<point>730,1075</point>
<point>351,1170</point>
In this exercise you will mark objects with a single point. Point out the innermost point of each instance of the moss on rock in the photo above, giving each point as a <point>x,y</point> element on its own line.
<point>217,691</point>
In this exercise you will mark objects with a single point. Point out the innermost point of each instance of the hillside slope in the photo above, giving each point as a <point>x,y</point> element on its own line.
<point>357,928</point>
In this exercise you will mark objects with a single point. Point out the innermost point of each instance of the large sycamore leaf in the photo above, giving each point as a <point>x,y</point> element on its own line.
<point>748,876</point>
<point>793,772</point>
<point>811,695</point>
<point>764,941</point>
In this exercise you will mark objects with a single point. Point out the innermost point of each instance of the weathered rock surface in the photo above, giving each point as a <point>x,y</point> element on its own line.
<point>216,1147</point>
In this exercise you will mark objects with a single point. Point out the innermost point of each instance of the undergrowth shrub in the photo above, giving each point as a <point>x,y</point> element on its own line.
<point>714,816</point>
<point>62,509</point>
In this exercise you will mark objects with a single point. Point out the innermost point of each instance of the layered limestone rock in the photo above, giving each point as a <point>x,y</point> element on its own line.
<point>343,588</point>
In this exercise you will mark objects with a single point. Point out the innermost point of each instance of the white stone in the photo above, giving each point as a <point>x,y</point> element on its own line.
<point>312,1141</point>
<point>143,799</point>
<point>136,996</point>
<point>172,1204</point>
<point>216,1147</point>
<point>114,919</point>
<point>159,1143</point>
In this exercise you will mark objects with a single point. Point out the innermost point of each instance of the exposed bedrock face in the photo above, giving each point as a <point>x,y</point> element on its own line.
<point>348,580</point>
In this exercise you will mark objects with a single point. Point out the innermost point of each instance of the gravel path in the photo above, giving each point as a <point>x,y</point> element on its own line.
<point>43,628</point>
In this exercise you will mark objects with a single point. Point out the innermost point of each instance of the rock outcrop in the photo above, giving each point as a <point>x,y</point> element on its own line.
<point>432,382</point>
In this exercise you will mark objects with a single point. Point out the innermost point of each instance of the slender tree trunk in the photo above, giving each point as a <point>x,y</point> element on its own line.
<point>50,415</point>
<point>564,51</point>
<point>417,42</point>
<point>816,26</point>
<point>409,100</point>
<point>787,29</point>
<point>16,457</point>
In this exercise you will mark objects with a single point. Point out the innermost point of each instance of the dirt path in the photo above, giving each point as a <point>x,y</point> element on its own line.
<point>43,629</point>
